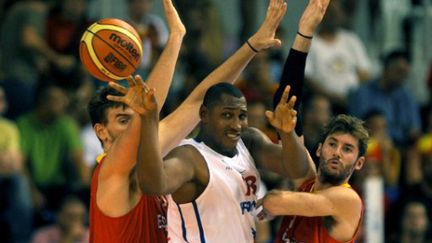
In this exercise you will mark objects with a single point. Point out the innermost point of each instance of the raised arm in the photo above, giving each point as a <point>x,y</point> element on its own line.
<point>186,116</point>
<point>293,72</point>
<point>284,119</point>
<point>161,76</point>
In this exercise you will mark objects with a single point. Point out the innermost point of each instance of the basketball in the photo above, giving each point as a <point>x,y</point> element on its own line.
<point>111,49</point>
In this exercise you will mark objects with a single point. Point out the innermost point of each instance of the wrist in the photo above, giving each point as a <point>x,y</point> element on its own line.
<point>252,47</point>
<point>176,36</point>
<point>305,36</point>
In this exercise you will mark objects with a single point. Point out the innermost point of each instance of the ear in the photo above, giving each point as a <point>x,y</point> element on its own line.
<point>203,113</point>
<point>318,151</point>
<point>100,131</point>
<point>359,163</point>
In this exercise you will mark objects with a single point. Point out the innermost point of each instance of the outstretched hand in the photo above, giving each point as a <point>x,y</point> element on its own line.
<point>175,24</point>
<point>138,96</point>
<point>312,16</point>
<point>265,36</point>
<point>284,117</point>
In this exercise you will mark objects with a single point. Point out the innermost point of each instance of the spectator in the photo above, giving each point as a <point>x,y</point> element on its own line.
<point>26,54</point>
<point>421,191</point>
<point>64,27</point>
<point>317,111</point>
<point>15,203</point>
<point>152,30</point>
<point>52,149</point>
<point>414,224</point>
<point>69,226</point>
<point>337,61</point>
<point>389,96</point>
<point>257,84</point>
<point>382,154</point>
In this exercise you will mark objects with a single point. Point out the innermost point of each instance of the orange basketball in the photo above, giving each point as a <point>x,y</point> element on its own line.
<point>111,49</point>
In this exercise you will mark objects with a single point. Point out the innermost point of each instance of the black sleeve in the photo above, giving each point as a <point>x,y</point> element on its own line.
<point>293,75</point>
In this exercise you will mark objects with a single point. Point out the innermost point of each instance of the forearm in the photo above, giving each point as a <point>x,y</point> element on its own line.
<point>276,202</point>
<point>295,158</point>
<point>162,74</point>
<point>293,75</point>
<point>150,171</point>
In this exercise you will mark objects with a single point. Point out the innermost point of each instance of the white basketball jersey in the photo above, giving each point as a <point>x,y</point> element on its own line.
<point>224,211</point>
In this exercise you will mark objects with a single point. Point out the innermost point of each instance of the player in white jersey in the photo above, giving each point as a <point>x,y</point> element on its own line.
<point>198,220</point>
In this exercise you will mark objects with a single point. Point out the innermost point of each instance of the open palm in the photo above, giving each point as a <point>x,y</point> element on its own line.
<point>138,96</point>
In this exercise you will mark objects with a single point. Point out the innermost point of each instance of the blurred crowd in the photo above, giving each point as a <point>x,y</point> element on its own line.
<point>48,148</point>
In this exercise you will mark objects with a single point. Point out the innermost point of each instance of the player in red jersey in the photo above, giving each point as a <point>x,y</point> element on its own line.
<point>324,209</point>
<point>119,211</point>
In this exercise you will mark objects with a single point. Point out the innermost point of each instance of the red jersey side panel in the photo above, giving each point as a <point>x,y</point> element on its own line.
<point>145,223</point>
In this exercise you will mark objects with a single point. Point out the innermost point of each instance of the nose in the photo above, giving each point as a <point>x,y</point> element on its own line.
<point>236,124</point>
<point>337,152</point>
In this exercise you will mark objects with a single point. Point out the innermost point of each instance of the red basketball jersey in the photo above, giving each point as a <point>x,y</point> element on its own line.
<point>145,223</point>
<point>298,229</point>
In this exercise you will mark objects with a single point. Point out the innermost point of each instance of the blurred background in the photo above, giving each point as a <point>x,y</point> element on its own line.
<point>369,58</point>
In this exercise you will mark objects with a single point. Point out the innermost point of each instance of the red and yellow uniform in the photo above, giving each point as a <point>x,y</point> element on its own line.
<point>298,229</point>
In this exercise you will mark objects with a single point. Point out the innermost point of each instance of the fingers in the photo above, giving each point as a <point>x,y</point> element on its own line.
<point>259,202</point>
<point>270,116</point>
<point>115,98</point>
<point>277,10</point>
<point>118,87</point>
<point>131,81</point>
<point>291,102</point>
<point>285,95</point>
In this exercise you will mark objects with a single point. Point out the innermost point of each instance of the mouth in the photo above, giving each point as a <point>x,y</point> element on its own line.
<point>333,163</point>
<point>234,136</point>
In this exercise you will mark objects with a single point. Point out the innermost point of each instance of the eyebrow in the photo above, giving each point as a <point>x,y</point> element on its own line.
<point>122,114</point>
<point>234,108</point>
<point>346,144</point>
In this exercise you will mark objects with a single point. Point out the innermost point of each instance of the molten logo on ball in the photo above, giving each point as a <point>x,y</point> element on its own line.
<point>126,45</point>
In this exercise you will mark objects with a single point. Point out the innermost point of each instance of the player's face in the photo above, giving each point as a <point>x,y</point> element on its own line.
<point>118,119</point>
<point>338,158</point>
<point>224,124</point>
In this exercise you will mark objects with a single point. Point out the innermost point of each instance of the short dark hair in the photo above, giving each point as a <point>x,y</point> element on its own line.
<point>393,55</point>
<point>214,93</point>
<point>99,104</point>
<point>351,125</point>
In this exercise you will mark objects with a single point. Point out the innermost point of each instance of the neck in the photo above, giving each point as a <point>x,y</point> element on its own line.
<point>319,185</point>
<point>216,146</point>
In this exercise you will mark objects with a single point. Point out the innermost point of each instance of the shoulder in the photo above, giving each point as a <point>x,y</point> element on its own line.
<point>346,199</point>
<point>253,137</point>
<point>185,152</point>
<point>349,35</point>
<point>8,125</point>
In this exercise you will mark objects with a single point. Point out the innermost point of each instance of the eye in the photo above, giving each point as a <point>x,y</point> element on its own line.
<point>347,149</point>
<point>123,120</point>
<point>243,117</point>
<point>332,144</point>
<point>227,115</point>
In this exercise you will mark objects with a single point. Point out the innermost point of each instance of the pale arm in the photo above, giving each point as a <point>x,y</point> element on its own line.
<point>161,76</point>
<point>334,201</point>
